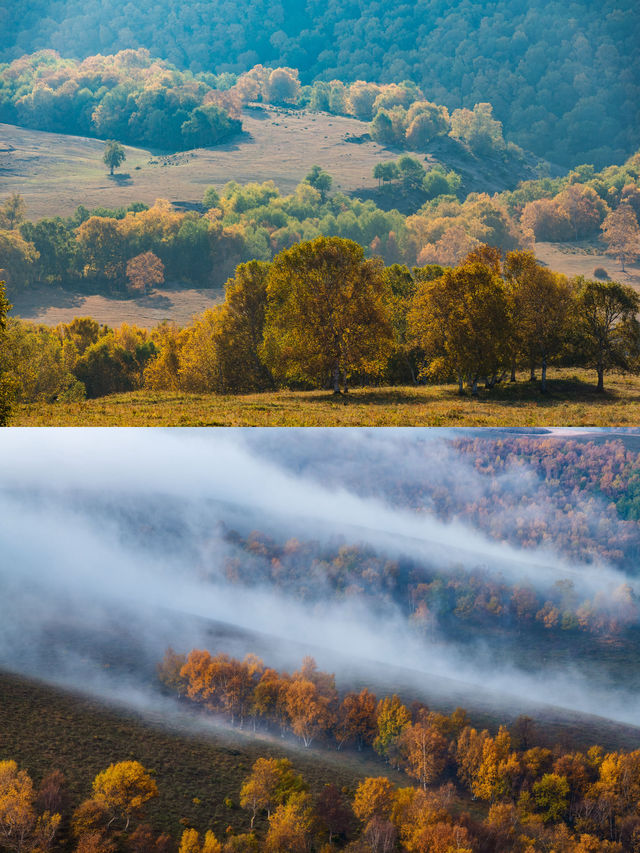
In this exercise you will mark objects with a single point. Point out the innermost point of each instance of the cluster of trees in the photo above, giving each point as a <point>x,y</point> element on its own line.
<point>250,222</point>
<point>322,315</point>
<point>411,175</point>
<point>450,599</point>
<point>33,820</point>
<point>127,96</point>
<point>585,801</point>
<point>563,82</point>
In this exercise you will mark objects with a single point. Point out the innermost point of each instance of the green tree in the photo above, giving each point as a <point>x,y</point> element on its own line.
<point>327,313</point>
<point>551,794</point>
<point>12,212</point>
<point>608,333</point>
<point>114,155</point>
<point>385,172</point>
<point>320,180</point>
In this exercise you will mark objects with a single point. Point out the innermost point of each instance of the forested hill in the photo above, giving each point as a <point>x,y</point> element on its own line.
<point>562,77</point>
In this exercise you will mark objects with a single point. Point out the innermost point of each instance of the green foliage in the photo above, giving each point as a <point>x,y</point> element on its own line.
<point>562,80</point>
<point>114,155</point>
<point>128,96</point>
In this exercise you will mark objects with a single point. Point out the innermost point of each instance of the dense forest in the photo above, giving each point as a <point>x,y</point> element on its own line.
<point>562,79</point>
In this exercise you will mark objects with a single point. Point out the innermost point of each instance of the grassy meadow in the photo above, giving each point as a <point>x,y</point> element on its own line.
<point>571,400</point>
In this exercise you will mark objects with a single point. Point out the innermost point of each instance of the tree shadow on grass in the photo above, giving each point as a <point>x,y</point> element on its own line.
<point>34,301</point>
<point>559,392</point>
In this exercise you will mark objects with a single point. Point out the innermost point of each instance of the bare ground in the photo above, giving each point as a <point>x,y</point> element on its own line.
<point>573,260</point>
<point>54,305</point>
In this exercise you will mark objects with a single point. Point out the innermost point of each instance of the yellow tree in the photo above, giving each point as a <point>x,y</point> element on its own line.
<point>357,719</point>
<point>374,798</point>
<point>393,718</point>
<point>542,309</point>
<point>242,327</point>
<point>290,826</point>
<point>327,313</point>
<point>462,323</point>
<point>20,827</point>
<point>123,789</point>
<point>309,711</point>
<point>425,752</point>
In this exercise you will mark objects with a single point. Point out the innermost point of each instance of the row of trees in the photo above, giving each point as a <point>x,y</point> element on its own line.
<point>530,788</point>
<point>322,315</point>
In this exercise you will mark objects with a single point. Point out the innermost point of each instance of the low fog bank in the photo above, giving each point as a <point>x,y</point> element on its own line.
<point>103,534</point>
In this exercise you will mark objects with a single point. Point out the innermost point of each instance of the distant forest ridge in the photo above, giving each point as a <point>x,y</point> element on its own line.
<point>562,78</point>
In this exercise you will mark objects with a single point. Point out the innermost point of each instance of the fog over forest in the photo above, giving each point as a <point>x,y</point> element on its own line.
<point>115,544</point>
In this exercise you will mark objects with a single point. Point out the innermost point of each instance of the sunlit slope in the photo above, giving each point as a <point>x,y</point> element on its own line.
<point>563,79</point>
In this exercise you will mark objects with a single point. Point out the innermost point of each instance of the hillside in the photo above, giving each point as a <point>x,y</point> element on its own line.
<point>562,79</point>
<point>277,144</point>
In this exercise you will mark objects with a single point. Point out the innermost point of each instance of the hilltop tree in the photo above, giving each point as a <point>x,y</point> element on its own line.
<point>114,155</point>
<point>608,332</point>
<point>622,234</point>
<point>327,313</point>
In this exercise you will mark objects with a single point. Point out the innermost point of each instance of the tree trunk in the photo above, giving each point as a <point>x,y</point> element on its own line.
<point>513,371</point>
<point>474,387</point>
<point>345,383</point>
<point>532,375</point>
<point>336,378</point>
<point>112,170</point>
<point>460,385</point>
<point>600,378</point>
<point>543,386</point>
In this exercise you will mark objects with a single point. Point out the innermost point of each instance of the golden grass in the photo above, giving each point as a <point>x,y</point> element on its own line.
<point>571,401</point>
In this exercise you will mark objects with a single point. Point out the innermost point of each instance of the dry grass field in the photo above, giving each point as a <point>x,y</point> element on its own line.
<point>571,401</point>
<point>52,306</point>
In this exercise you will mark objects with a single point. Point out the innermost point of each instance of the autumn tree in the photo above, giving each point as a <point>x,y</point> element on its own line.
<point>542,310</point>
<point>190,842</point>
<point>144,272</point>
<point>123,789</point>
<point>374,798</point>
<point>333,812</point>
<point>290,826</point>
<point>462,323</point>
<point>608,333</point>
<point>551,794</point>
<point>357,721</point>
<point>311,713</point>
<point>7,388</point>
<point>327,313</point>
<point>241,330</point>
<point>271,783</point>
<point>392,719</point>
<point>21,828</point>
<point>425,752</point>
<point>114,155</point>
<point>621,233</point>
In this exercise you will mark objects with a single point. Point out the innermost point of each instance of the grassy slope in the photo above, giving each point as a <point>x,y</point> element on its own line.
<point>43,728</point>
<point>571,401</point>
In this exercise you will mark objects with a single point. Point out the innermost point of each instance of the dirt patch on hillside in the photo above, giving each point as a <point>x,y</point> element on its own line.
<point>51,306</point>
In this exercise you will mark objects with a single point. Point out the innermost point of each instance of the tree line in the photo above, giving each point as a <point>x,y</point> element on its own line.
<point>322,315</point>
<point>536,795</point>
<point>563,82</point>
